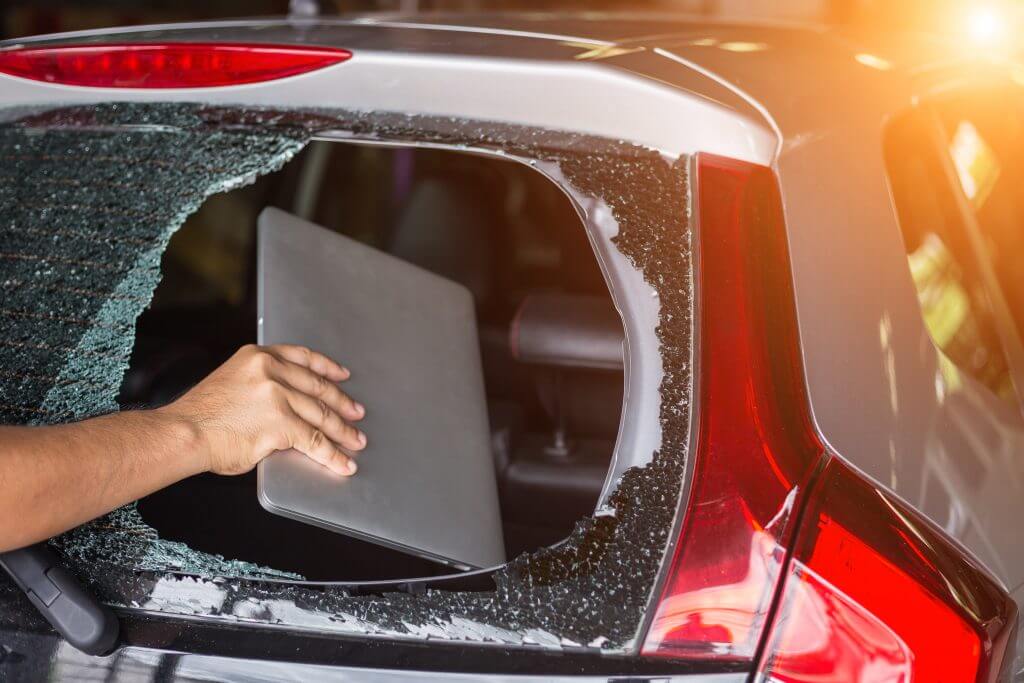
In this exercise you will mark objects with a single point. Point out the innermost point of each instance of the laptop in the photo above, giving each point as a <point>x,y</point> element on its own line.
<point>425,483</point>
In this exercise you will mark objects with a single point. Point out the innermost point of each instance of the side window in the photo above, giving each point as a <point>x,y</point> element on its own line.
<point>984,132</point>
<point>950,289</point>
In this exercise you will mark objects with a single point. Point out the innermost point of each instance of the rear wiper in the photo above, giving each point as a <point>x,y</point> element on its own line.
<point>75,613</point>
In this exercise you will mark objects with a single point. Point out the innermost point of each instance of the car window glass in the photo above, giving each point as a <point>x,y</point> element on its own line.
<point>950,290</point>
<point>985,139</point>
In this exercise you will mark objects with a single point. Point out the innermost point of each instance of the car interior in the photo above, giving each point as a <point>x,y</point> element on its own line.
<point>550,339</point>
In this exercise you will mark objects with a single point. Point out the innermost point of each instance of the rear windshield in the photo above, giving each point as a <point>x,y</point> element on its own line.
<point>128,274</point>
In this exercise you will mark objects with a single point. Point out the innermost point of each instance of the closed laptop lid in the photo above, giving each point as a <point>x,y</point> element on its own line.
<point>426,480</point>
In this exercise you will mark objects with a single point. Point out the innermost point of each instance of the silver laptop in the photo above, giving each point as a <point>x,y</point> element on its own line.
<point>425,483</point>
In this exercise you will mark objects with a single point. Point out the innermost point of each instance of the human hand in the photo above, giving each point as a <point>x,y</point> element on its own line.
<point>270,398</point>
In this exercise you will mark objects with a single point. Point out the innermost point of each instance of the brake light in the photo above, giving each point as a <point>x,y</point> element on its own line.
<point>165,65</point>
<point>864,589</point>
<point>874,593</point>
<point>755,447</point>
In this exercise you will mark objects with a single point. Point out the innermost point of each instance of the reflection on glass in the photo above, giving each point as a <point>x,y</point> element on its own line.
<point>943,300</point>
<point>945,269</point>
<point>976,164</point>
<point>946,308</point>
<point>984,129</point>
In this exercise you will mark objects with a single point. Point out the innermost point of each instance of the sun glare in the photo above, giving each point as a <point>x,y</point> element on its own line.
<point>986,25</point>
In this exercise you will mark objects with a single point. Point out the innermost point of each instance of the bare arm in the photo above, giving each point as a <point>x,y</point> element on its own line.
<point>261,400</point>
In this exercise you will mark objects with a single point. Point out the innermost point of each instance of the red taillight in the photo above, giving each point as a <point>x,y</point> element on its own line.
<point>755,444</point>
<point>165,65</point>
<point>873,593</point>
<point>870,592</point>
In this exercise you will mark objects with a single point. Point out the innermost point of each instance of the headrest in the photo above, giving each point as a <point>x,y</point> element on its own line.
<point>567,330</point>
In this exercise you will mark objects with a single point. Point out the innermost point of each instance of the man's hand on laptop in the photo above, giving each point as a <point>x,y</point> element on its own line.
<point>269,398</point>
<point>261,400</point>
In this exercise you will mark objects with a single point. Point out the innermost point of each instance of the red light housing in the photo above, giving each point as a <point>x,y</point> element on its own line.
<point>166,65</point>
<point>862,589</point>
<point>875,593</point>
<point>756,447</point>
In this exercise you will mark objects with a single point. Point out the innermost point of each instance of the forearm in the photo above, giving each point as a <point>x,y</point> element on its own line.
<point>261,400</point>
<point>55,478</point>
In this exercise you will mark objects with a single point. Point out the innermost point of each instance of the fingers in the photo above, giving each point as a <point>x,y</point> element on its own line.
<point>317,362</point>
<point>319,387</point>
<point>313,442</point>
<point>319,414</point>
<point>306,402</point>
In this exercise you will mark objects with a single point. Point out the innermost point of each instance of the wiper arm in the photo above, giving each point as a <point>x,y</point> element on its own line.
<point>75,613</point>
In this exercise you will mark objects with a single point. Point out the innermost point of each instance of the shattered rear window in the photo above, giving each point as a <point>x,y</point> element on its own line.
<point>91,197</point>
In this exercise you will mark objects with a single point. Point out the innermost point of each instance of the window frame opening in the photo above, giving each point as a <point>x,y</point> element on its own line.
<point>300,201</point>
<point>588,594</point>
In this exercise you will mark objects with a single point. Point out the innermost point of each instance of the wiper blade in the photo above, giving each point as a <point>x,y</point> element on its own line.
<point>75,613</point>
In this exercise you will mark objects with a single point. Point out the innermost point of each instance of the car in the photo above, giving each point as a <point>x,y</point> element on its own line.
<point>749,313</point>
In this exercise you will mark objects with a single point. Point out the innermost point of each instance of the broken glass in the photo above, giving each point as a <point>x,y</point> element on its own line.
<point>91,198</point>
